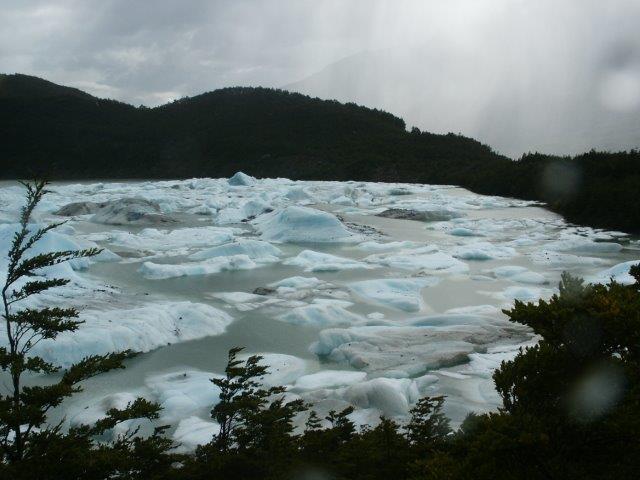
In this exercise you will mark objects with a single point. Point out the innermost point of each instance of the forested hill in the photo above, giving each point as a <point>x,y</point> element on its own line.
<point>63,133</point>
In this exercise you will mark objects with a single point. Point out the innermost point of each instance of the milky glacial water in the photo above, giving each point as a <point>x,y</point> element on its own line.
<point>482,254</point>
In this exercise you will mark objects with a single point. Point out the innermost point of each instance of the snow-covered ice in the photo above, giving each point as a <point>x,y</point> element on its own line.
<point>399,293</point>
<point>297,224</point>
<point>362,294</point>
<point>323,262</point>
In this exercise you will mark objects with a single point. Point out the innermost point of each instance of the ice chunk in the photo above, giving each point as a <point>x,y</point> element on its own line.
<point>78,208</point>
<point>404,351</point>
<point>463,232</point>
<point>563,260</point>
<point>313,261</point>
<point>619,273</point>
<point>522,293</point>
<point>483,251</point>
<point>170,242</point>
<point>427,258</point>
<point>373,246</point>
<point>437,215</point>
<point>184,392</point>
<point>329,379</point>
<point>398,293</point>
<point>389,395</point>
<point>242,180</point>
<point>298,195</point>
<point>321,315</point>
<point>297,283</point>
<point>578,244</point>
<point>295,224</point>
<point>98,410</point>
<point>248,211</point>
<point>282,369</point>
<point>519,274</point>
<point>130,211</point>
<point>193,431</point>
<point>484,310</point>
<point>256,250</point>
<point>139,329</point>
<point>160,271</point>
<point>50,242</point>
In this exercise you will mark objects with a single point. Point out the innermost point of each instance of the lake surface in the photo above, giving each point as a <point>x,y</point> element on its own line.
<point>352,308</point>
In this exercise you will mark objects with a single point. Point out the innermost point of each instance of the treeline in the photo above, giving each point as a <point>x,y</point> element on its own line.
<point>63,133</point>
<point>570,404</point>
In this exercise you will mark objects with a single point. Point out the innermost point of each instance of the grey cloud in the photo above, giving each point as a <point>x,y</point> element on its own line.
<point>515,73</point>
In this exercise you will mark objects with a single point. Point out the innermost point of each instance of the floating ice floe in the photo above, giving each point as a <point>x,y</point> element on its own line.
<point>241,180</point>
<point>282,369</point>
<point>322,315</point>
<point>483,251</point>
<point>139,329</point>
<point>373,246</point>
<point>194,431</point>
<point>296,224</point>
<point>124,211</point>
<point>390,396</point>
<point>247,211</point>
<point>463,232</point>
<point>397,293</point>
<point>421,213</point>
<point>256,250</point>
<point>563,261</point>
<point>522,293</point>
<point>519,274</point>
<point>579,244</point>
<point>54,241</point>
<point>296,283</point>
<point>98,410</point>
<point>156,242</point>
<point>329,379</point>
<point>619,273</point>
<point>425,258</point>
<point>323,262</point>
<point>409,351</point>
<point>182,393</point>
<point>161,271</point>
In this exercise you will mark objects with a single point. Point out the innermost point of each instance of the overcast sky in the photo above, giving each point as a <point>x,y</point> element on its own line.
<point>150,52</point>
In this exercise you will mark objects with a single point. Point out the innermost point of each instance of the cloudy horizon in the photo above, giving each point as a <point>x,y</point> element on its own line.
<point>462,65</point>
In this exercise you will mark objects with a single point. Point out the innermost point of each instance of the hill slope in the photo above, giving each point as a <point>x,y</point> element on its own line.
<point>515,103</point>
<point>63,133</point>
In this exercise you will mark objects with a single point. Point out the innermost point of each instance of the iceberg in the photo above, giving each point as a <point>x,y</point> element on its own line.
<point>140,329</point>
<point>295,224</point>
<point>397,293</point>
<point>161,271</point>
<point>242,180</point>
<point>323,262</point>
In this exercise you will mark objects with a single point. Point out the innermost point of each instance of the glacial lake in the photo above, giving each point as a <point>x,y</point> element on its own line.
<point>347,303</point>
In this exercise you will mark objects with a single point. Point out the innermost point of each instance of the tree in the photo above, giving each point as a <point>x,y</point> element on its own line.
<point>427,425</point>
<point>29,446</point>
<point>256,437</point>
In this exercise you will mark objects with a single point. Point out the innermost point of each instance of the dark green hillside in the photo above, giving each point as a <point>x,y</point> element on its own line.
<point>63,133</point>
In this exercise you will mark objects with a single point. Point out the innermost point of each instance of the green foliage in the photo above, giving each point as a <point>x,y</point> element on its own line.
<point>571,403</point>
<point>30,447</point>
<point>64,133</point>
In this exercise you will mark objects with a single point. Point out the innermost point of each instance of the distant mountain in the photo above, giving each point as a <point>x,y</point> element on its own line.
<point>57,132</point>
<point>518,102</point>
<point>29,87</point>
<point>66,133</point>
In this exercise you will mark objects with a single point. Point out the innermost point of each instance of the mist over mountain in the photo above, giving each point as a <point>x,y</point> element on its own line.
<point>63,133</point>
<point>519,102</point>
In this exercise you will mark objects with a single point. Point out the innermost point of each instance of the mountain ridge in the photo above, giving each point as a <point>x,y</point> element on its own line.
<point>63,133</point>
